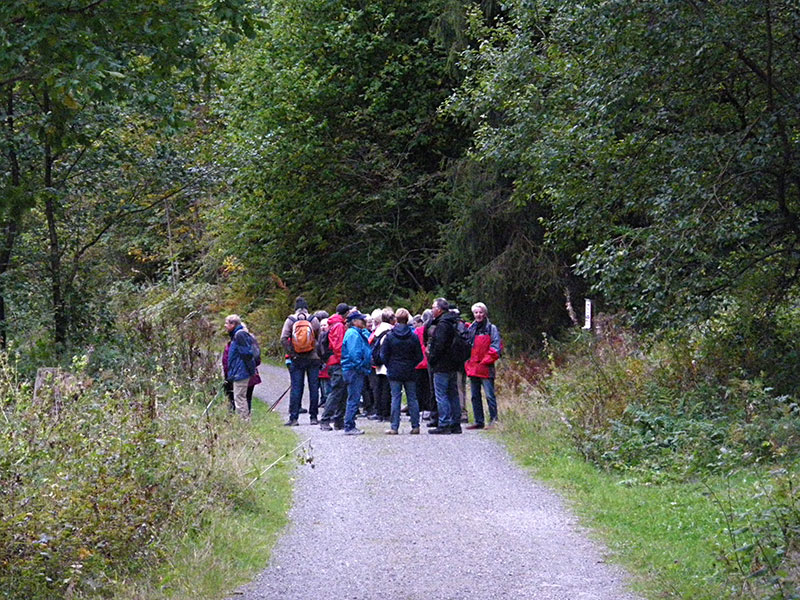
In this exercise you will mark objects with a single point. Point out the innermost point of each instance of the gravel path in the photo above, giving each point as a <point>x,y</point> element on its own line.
<point>424,518</point>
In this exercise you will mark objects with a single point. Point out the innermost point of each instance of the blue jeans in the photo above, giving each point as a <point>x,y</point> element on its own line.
<point>477,403</point>
<point>446,388</point>
<point>411,397</point>
<point>355,384</point>
<point>299,370</point>
<point>324,389</point>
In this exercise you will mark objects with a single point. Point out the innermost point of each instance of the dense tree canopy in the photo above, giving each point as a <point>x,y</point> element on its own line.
<point>513,153</point>
<point>340,153</point>
<point>81,82</point>
<point>662,136</point>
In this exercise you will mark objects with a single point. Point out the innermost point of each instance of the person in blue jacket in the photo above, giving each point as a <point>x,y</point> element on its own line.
<point>241,363</point>
<point>356,364</point>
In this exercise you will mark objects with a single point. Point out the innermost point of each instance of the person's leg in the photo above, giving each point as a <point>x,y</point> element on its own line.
<point>491,399</point>
<point>229,393</point>
<point>250,389</point>
<point>240,398</point>
<point>455,401</point>
<point>324,389</point>
<point>355,384</point>
<point>396,388</point>
<point>386,397</point>
<point>296,376</point>
<point>461,383</point>
<point>334,411</point>
<point>370,394</point>
<point>434,419</point>
<point>312,372</point>
<point>477,402</point>
<point>423,390</point>
<point>441,382</point>
<point>413,403</point>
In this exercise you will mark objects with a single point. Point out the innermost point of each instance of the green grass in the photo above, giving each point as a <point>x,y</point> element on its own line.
<point>235,542</point>
<point>666,535</point>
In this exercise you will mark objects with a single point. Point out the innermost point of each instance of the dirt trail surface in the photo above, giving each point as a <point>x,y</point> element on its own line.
<point>424,517</point>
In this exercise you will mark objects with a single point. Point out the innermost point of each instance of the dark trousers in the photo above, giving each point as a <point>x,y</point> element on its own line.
<point>369,393</point>
<point>337,397</point>
<point>424,395</point>
<point>298,372</point>
<point>383,401</point>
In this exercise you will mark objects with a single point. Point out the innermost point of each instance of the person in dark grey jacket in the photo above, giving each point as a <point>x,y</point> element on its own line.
<point>401,353</point>
<point>445,366</point>
<point>302,365</point>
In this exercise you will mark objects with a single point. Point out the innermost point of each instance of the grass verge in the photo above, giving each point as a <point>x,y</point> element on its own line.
<point>666,535</point>
<point>234,544</point>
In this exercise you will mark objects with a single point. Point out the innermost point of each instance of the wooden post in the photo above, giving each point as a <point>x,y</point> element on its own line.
<point>589,315</point>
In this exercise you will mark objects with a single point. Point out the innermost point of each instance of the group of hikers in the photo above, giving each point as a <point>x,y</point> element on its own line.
<point>360,364</point>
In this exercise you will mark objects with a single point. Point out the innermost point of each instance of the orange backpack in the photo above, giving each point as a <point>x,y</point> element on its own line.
<point>303,339</point>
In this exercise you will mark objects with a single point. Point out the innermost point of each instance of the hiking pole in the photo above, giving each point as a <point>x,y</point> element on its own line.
<point>274,404</point>
<point>205,412</point>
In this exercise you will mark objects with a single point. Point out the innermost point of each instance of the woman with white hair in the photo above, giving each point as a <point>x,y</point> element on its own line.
<point>486,349</point>
<point>384,320</point>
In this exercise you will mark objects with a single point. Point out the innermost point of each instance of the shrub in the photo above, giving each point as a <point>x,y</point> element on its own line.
<point>93,484</point>
<point>661,411</point>
<point>761,555</point>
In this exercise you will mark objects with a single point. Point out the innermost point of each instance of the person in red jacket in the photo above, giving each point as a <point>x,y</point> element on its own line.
<point>324,376</point>
<point>337,396</point>
<point>486,348</point>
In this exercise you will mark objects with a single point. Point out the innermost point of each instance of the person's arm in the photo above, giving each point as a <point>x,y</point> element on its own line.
<point>386,350</point>
<point>286,336</point>
<point>418,356</point>
<point>243,345</point>
<point>494,347</point>
<point>438,342</point>
<point>336,339</point>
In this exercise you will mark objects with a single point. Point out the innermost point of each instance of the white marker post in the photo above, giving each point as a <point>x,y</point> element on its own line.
<point>589,308</point>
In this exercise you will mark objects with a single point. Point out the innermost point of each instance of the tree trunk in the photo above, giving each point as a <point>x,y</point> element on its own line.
<point>10,225</point>
<point>59,304</point>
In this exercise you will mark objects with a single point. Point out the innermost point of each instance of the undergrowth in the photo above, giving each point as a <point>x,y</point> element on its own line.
<point>115,462</point>
<point>689,469</point>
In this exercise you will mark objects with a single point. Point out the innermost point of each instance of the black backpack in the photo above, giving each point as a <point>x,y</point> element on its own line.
<point>324,347</point>
<point>256,349</point>
<point>376,349</point>
<point>460,347</point>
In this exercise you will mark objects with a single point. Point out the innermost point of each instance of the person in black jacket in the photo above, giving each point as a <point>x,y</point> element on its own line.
<point>445,367</point>
<point>401,353</point>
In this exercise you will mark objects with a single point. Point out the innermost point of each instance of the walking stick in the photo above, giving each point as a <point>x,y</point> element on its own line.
<point>274,404</point>
<point>205,412</point>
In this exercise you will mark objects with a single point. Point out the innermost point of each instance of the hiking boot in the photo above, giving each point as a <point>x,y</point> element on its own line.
<point>455,428</point>
<point>353,431</point>
<point>440,431</point>
<point>291,423</point>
